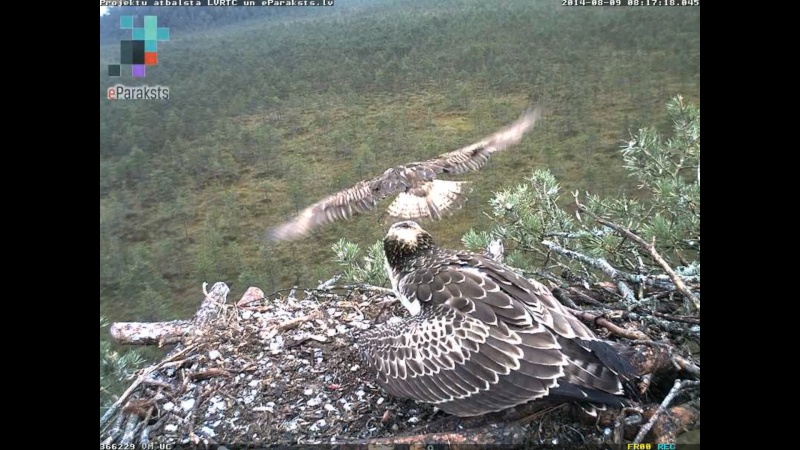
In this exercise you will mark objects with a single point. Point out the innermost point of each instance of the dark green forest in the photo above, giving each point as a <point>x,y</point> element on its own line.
<point>272,109</point>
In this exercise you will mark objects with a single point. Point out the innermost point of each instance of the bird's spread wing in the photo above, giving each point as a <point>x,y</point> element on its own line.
<point>473,157</point>
<point>344,204</point>
<point>421,195</point>
<point>460,364</point>
<point>593,369</point>
<point>489,340</point>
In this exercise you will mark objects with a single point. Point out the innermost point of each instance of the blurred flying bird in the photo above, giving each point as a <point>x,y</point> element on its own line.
<point>420,194</point>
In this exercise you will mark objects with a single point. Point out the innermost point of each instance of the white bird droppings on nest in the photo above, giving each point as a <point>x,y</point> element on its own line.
<point>278,371</point>
<point>268,372</point>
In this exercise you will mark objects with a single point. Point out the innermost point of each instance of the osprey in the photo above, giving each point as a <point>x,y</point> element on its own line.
<point>482,338</point>
<point>420,196</point>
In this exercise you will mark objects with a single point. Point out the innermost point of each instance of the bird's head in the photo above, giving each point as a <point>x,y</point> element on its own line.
<point>405,239</point>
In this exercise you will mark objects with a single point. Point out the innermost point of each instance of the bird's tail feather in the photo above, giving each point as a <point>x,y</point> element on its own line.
<point>442,197</point>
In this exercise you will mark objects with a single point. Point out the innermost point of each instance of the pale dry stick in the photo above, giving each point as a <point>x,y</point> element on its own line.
<point>364,287</point>
<point>144,438</point>
<point>676,388</point>
<point>623,420</point>
<point>608,325</point>
<point>604,266</point>
<point>115,431</point>
<point>686,365</point>
<point>139,380</point>
<point>131,425</point>
<point>292,323</point>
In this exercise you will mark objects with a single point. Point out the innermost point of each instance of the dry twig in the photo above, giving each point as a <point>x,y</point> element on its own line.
<point>139,380</point>
<point>292,323</point>
<point>608,325</point>
<point>676,388</point>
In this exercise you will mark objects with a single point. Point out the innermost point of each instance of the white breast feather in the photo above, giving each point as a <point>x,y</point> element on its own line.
<point>413,307</point>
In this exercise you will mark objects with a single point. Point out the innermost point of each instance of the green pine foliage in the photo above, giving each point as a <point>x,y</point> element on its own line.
<point>116,369</point>
<point>664,209</point>
<point>369,268</point>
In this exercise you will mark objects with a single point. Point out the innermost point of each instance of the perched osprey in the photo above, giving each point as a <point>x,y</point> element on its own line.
<point>421,195</point>
<point>482,338</point>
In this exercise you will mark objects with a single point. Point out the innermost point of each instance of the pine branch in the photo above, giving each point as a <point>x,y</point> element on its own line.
<point>603,265</point>
<point>650,247</point>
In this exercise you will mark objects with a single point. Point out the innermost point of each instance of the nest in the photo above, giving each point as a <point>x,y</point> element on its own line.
<point>286,370</point>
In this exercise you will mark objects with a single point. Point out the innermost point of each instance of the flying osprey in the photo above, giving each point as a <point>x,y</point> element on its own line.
<point>482,338</point>
<point>421,195</point>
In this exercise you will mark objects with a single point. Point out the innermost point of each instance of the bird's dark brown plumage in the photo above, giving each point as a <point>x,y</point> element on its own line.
<point>482,338</point>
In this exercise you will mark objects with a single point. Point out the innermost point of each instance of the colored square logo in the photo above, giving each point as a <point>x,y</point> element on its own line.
<point>142,48</point>
<point>138,70</point>
<point>150,27</point>
<point>126,22</point>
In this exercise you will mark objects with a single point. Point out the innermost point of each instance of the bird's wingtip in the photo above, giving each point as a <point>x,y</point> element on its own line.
<point>533,113</point>
<point>271,235</point>
<point>280,233</point>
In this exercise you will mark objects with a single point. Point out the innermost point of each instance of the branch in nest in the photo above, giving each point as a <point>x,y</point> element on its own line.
<point>676,388</point>
<point>130,430</point>
<point>608,325</point>
<point>674,421</point>
<point>294,323</point>
<point>144,375</point>
<point>161,333</point>
<point>623,420</point>
<point>650,247</point>
<point>652,357</point>
<point>686,365</point>
<point>326,285</point>
<point>365,287</point>
<point>585,298</point>
<point>209,307</point>
<point>692,320</point>
<point>627,293</point>
<point>665,324</point>
<point>605,267</point>
<point>210,373</point>
<point>114,432</point>
<point>150,333</point>
<point>162,384</point>
<point>144,439</point>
